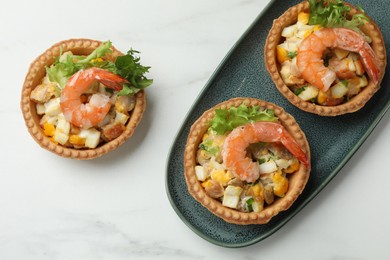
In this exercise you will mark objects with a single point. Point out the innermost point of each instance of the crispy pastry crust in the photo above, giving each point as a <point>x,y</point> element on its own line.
<point>34,77</point>
<point>297,181</point>
<point>273,67</point>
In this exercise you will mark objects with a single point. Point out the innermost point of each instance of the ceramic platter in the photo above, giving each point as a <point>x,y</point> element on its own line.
<point>242,73</point>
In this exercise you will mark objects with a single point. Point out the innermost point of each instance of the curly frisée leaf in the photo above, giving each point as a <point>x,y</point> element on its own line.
<point>333,13</point>
<point>226,120</point>
<point>129,67</point>
<point>126,66</point>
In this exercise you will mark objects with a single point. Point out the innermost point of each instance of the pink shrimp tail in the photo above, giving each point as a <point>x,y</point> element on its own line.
<point>370,62</point>
<point>291,145</point>
<point>109,79</point>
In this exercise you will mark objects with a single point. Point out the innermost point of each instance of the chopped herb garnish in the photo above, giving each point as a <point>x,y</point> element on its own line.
<point>292,54</point>
<point>299,90</point>
<point>262,160</point>
<point>249,204</point>
<point>207,145</point>
<point>345,82</point>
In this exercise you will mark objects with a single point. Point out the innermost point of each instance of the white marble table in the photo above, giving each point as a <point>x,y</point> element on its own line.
<point>116,207</point>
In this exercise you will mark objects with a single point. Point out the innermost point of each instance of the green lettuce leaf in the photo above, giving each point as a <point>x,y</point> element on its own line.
<point>226,120</point>
<point>127,66</point>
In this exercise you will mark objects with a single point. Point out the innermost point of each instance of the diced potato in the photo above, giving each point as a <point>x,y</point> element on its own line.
<point>60,137</point>
<point>339,90</point>
<point>340,53</point>
<point>48,119</point>
<point>52,107</point>
<point>63,125</point>
<point>215,165</point>
<point>268,167</point>
<point>351,64</point>
<point>359,67</point>
<point>124,104</point>
<point>92,137</point>
<point>304,31</point>
<point>289,31</point>
<point>40,108</point>
<point>231,196</point>
<point>309,93</point>
<point>121,118</point>
<point>257,206</point>
<point>283,163</point>
<point>201,173</point>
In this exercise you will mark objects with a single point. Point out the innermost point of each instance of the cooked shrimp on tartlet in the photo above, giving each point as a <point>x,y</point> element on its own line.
<point>326,57</point>
<point>82,98</point>
<point>246,160</point>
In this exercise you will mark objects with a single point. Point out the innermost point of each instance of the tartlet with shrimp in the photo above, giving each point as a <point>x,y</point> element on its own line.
<point>83,98</point>
<point>326,57</point>
<point>246,160</point>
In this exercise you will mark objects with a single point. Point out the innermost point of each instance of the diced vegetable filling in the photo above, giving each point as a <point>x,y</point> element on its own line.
<point>276,163</point>
<point>47,97</point>
<point>350,72</point>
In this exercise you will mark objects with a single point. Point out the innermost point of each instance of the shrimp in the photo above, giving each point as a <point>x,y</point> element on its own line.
<point>310,62</point>
<point>92,113</point>
<point>234,148</point>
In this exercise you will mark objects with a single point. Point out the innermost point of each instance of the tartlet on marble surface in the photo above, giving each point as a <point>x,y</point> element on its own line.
<point>370,28</point>
<point>35,74</point>
<point>297,180</point>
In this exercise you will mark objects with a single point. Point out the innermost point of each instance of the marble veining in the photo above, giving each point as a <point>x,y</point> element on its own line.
<point>116,207</point>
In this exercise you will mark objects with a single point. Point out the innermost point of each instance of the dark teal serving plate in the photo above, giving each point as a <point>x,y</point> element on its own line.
<point>333,140</point>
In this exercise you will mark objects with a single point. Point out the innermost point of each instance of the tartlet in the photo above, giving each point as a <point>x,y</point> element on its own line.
<point>350,104</point>
<point>34,77</point>
<point>197,188</point>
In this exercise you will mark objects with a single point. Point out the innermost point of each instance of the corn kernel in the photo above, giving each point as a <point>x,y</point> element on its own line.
<point>204,154</point>
<point>322,97</point>
<point>48,129</point>
<point>281,54</point>
<point>256,191</point>
<point>280,184</point>
<point>316,27</point>
<point>293,167</point>
<point>207,184</point>
<point>303,17</point>
<point>307,33</point>
<point>76,140</point>
<point>205,136</point>
<point>221,176</point>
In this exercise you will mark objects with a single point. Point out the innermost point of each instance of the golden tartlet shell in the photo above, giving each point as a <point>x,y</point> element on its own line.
<point>297,180</point>
<point>273,67</point>
<point>37,71</point>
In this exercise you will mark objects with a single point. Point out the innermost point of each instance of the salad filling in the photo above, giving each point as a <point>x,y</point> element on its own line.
<point>245,158</point>
<point>329,70</point>
<point>86,101</point>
